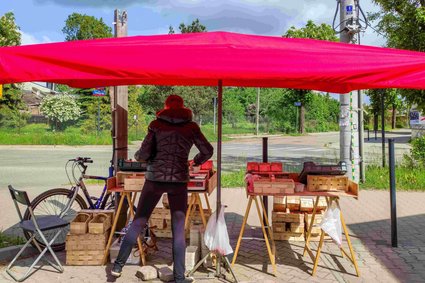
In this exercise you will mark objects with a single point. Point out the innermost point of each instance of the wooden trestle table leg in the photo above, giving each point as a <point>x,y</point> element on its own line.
<point>270,232</point>
<point>245,219</point>
<point>114,226</point>
<point>347,236</point>
<point>310,228</point>
<point>207,202</point>
<point>266,238</point>
<point>189,210</point>
<point>201,210</point>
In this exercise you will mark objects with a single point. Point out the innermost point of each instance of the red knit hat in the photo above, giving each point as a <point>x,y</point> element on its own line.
<point>174,101</point>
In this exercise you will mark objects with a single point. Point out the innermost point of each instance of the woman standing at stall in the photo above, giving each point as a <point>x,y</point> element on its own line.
<point>166,148</point>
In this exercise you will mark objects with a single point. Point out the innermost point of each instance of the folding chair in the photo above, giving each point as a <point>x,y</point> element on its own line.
<point>36,226</point>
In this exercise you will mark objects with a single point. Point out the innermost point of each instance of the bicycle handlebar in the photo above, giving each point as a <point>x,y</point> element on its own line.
<point>82,160</point>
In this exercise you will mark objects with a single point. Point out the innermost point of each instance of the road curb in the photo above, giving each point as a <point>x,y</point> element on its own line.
<point>8,253</point>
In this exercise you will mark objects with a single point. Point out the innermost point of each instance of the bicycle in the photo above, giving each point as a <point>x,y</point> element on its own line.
<point>66,203</point>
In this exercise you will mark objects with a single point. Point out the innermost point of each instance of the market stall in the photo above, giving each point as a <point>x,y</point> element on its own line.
<point>214,59</point>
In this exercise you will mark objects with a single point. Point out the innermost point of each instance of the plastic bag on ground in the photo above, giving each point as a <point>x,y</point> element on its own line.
<point>331,223</point>
<point>216,236</point>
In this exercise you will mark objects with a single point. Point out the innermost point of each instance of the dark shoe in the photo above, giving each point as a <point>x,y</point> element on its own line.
<point>116,270</point>
<point>186,280</point>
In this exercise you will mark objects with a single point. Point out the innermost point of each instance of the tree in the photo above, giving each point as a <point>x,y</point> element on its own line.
<point>195,26</point>
<point>9,31</point>
<point>313,31</point>
<point>80,27</point>
<point>198,99</point>
<point>60,109</point>
<point>403,25</point>
<point>393,101</point>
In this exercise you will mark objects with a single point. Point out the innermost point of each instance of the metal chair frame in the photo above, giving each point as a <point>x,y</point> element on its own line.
<point>22,198</point>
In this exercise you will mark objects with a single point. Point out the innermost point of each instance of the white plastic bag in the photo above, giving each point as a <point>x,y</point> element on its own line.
<point>216,236</point>
<point>331,223</point>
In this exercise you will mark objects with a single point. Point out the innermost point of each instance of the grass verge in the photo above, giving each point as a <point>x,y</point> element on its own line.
<point>7,241</point>
<point>233,179</point>
<point>408,179</point>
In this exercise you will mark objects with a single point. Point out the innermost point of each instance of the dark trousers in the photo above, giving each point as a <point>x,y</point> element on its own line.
<point>151,194</point>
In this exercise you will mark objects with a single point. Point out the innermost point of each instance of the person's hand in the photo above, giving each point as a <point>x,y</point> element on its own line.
<point>195,169</point>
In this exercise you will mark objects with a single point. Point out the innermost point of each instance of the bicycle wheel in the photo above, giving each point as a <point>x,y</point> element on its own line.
<point>52,202</point>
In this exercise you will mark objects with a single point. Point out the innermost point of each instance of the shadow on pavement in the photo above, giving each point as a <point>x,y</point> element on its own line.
<point>407,261</point>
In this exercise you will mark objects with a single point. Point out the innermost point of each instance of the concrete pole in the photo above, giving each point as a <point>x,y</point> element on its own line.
<point>349,139</point>
<point>120,99</point>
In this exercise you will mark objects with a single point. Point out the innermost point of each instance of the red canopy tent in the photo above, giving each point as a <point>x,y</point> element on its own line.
<point>211,59</point>
<point>205,58</point>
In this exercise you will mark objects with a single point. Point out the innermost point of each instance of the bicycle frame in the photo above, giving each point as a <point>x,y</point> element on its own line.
<point>100,202</point>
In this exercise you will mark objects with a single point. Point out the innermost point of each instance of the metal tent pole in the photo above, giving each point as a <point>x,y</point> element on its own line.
<point>220,258</point>
<point>219,141</point>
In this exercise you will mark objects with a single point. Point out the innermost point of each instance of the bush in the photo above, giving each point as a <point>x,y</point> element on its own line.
<point>60,109</point>
<point>418,150</point>
<point>13,118</point>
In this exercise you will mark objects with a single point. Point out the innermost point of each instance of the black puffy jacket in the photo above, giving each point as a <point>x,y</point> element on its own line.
<point>167,145</point>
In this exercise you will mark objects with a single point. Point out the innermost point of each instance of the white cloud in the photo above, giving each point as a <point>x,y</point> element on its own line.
<point>27,39</point>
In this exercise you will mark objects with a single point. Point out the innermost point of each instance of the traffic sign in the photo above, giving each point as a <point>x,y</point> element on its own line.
<point>298,104</point>
<point>101,91</point>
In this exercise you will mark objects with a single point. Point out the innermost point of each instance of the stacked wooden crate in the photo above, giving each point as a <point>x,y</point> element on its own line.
<point>291,216</point>
<point>287,220</point>
<point>88,236</point>
<point>315,232</point>
<point>161,218</point>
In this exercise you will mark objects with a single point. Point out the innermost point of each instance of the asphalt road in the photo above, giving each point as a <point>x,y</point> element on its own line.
<point>38,168</point>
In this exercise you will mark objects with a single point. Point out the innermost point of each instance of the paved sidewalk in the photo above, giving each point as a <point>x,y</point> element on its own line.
<point>368,221</point>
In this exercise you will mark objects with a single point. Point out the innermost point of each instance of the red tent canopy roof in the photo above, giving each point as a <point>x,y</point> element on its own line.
<point>205,58</point>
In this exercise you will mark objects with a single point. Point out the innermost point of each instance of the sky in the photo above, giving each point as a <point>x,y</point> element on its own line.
<point>41,21</point>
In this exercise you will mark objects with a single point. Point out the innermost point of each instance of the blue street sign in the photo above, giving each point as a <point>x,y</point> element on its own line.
<point>298,104</point>
<point>349,9</point>
<point>101,91</point>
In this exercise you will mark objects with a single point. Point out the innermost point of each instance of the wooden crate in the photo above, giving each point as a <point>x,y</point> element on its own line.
<point>296,227</point>
<point>80,223</point>
<point>279,227</point>
<point>287,217</point>
<point>288,236</point>
<point>279,204</point>
<point>87,242</point>
<point>327,183</point>
<point>85,257</point>
<point>166,233</point>
<point>306,204</point>
<point>212,183</point>
<point>122,175</point>
<point>161,213</point>
<point>317,220</point>
<point>293,203</point>
<point>134,182</point>
<point>100,223</point>
<point>159,223</point>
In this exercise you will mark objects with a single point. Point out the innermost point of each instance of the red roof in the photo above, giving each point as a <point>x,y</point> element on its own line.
<point>205,58</point>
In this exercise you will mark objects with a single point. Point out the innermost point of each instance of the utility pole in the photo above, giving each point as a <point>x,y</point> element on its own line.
<point>257,110</point>
<point>349,139</point>
<point>119,102</point>
<point>120,99</point>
